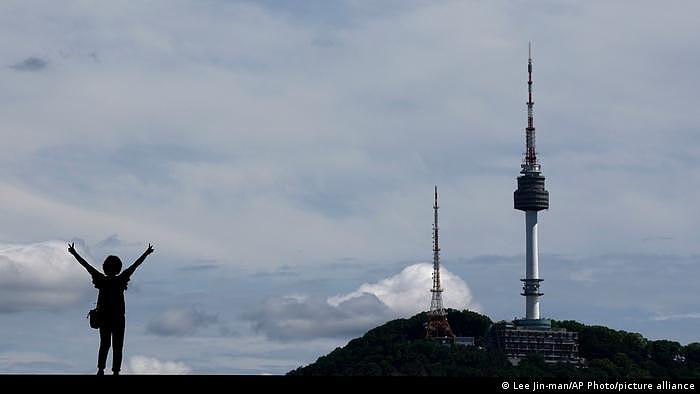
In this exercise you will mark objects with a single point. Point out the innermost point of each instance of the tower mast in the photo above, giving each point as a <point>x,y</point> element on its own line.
<point>437,326</point>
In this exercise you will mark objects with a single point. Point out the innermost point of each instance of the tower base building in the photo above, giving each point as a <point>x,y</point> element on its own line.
<point>520,338</point>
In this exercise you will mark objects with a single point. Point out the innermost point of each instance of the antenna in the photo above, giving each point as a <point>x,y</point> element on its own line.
<point>436,248</point>
<point>530,161</point>
<point>437,326</point>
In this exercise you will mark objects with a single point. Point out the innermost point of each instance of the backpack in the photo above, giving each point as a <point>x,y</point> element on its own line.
<point>95,317</point>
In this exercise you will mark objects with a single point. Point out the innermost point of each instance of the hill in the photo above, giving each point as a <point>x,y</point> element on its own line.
<point>400,348</point>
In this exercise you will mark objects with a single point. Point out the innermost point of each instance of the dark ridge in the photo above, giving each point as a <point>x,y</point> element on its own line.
<point>399,348</point>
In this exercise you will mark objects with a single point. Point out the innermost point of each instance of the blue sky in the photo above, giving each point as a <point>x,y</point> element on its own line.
<point>282,154</point>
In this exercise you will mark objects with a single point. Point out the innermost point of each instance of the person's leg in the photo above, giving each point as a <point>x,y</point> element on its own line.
<point>105,339</point>
<point>118,342</point>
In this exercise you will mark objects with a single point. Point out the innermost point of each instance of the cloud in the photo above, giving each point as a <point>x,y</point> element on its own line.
<point>282,271</point>
<point>175,158</point>
<point>295,317</point>
<point>407,293</point>
<point>179,322</point>
<point>153,366</point>
<point>679,316</point>
<point>658,238</point>
<point>113,241</point>
<point>31,64</point>
<point>40,276</point>
<point>201,265</point>
<point>301,317</point>
<point>31,361</point>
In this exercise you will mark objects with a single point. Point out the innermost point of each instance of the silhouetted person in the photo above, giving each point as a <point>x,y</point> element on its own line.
<point>110,303</point>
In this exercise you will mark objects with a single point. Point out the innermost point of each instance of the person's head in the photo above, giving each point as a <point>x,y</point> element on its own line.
<point>112,266</point>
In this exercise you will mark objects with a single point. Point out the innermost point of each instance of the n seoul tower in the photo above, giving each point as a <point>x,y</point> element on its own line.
<point>531,197</point>
<point>532,334</point>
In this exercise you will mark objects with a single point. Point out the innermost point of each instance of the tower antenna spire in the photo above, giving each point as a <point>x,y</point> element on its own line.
<point>530,163</point>
<point>529,85</point>
<point>437,326</point>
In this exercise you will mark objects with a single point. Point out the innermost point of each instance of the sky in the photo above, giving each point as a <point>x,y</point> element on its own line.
<point>281,157</point>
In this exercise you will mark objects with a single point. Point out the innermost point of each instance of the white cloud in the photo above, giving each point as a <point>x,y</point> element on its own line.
<point>40,276</point>
<point>408,292</point>
<point>299,316</point>
<point>153,366</point>
<point>678,316</point>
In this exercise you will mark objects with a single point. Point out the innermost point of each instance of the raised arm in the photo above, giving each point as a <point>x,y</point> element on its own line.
<point>81,260</point>
<point>127,272</point>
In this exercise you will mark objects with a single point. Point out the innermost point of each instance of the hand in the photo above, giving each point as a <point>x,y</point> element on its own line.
<point>71,248</point>
<point>149,250</point>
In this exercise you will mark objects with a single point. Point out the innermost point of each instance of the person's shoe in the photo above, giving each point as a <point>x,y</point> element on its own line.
<point>100,371</point>
<point>115,372</point>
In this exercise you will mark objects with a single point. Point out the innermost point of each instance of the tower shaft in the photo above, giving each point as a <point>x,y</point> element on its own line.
<point>532,279</point>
